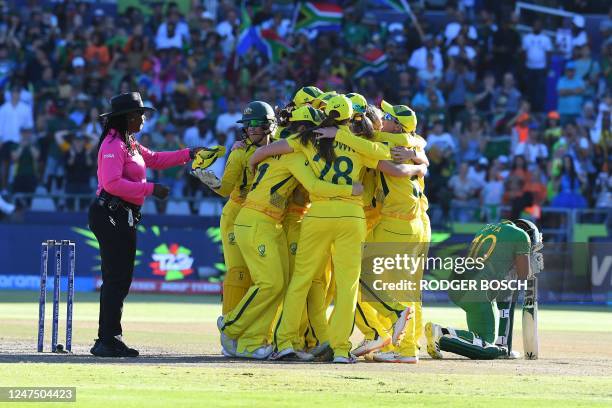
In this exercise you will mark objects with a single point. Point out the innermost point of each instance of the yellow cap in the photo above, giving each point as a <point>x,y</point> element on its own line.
<point>359,102</point>
<point>306,95</point>
<point>321,101</point>
<point>340,104</point>
<point>207,156</point>
<point>406,116</point>
<point>307,113</point>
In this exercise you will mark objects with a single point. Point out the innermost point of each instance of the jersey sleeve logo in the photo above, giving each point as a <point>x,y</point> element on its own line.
<point>109,156</point>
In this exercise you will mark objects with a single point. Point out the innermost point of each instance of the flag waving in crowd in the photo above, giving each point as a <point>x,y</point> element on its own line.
<point>319,16</point>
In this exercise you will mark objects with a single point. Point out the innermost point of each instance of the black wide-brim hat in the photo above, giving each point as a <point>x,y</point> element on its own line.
<point>126,103</point>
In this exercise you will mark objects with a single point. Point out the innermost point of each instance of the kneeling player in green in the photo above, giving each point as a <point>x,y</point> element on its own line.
<point>508,251</point>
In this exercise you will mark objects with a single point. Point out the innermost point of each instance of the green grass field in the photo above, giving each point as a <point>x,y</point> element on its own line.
<point>180,365</point>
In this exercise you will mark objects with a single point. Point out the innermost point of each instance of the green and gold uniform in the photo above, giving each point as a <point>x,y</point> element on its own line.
<point>337,222</point>
<point>263,244</point>
<point>498,244</point>
<point>235,183</point>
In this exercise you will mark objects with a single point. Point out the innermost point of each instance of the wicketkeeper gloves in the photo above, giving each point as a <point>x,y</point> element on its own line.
<point>207,177</point>
<point>206,156</point>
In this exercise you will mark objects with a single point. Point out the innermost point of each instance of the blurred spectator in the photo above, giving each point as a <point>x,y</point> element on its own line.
<point>97,54</point>
<point>472,141</point>
<point>79,164</point>
<point>533,149</point>
<point>519,169</point>
<point>24,158</point>
<point>464,192</point>
<point>14,116</point>
<point>227,122</point>
<point>457,26</point>
<point>478,171</point>
<point>509,91</point>
<point>578,36</point>
<point>458,81</point>
<point>461,49</point>
<point>173,177</point>
<point>485,94</point>
<point>440,139</point>
<point>200,135</point>
<point>571,92</point>
<point>568,187</point>
<point>587,69</point>
<point>491,195</point>
<point>172,33</point>
<point>418,58</point>
<point>431,74</point>
<point>506,42</point>
<point>552,131</point>
<point>521,123</point>
<point>536,185</point>
<point>537,46</point>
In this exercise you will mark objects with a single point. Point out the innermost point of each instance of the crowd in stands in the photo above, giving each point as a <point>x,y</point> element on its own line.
<point>499,132</point>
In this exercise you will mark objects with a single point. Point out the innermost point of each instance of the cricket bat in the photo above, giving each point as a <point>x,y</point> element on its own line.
<point>530,320</point>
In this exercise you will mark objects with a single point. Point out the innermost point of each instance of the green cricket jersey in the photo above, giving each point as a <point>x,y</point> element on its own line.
<point>498,244</point>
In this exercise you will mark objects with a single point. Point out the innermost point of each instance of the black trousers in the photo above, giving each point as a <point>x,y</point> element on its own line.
<point>117,250</point>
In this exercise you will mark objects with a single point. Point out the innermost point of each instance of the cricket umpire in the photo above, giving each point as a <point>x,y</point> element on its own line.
<point>115,213</point>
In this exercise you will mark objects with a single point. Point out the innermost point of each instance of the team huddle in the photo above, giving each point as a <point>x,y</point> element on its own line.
<point>308,185</point>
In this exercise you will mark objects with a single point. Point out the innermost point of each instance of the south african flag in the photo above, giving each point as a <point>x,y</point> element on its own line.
<point>319,16</point>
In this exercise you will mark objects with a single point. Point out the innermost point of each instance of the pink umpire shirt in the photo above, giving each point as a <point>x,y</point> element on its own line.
<point>124,175</point>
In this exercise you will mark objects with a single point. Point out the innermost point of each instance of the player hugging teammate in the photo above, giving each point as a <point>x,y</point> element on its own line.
<point>308,185</point>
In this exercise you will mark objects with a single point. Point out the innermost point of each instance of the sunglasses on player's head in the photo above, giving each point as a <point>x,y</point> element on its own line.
<point>389,116</point>
<point>255,123</point>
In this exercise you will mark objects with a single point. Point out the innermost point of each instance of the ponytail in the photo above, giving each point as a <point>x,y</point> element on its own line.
<point>325,147</point>
<point>118,123</point>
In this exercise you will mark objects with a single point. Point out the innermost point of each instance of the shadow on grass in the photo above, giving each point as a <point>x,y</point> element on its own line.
<point>50,358</point>
<point>28,296</point>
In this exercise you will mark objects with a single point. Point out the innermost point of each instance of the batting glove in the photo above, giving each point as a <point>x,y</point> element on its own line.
<point>537,262</point>
<point>207,177</point>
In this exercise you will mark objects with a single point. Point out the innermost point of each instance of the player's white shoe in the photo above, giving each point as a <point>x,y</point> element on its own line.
<point>433,332</point>
<point>229,345</point>
<point>399,328</point>
<point>369,346</point>
<point>350,359</point>
<point>289,354</point>
<point>261,353</point>
<point>394,357</point>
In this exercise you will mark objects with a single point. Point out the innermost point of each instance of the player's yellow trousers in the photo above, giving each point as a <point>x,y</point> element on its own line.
<point>314,326</point>
<point>328,223</point>
<point>263,245</point>
<point>367,319</point>
<point>237,279</point>
<point>398,230</point>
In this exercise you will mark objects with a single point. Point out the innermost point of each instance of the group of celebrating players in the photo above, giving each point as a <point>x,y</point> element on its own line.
<point>307,186</point>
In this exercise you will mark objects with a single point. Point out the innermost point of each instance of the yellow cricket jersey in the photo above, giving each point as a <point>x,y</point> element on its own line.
<point>346,168</point>
<point>237,178</point>
<point>281,133</point>
<point>400,196</point>
<point>419,145</point>
<point>278,176</point>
